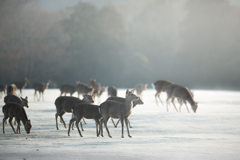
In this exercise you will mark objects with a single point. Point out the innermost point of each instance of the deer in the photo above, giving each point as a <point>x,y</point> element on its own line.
<point>140,88</point>
<point>21,85</point>
<point>88,111</point>
<point>117,110</point>
<point>66,88</point>
<point>40,87</point>
<point>15,99</point>
<point>11,110</point>
<point>3,88</point>
<point>122,100</point>
<point>112,91</point>
<point>182,93</point>
<point>169,89</point>
<point>11,89</point>
<point>84,89</point>
<point>65,104</point>
<point>97,88</point>
<point>160,87</point>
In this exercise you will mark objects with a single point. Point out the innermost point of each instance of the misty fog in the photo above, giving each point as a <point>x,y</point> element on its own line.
<point>194,43</point>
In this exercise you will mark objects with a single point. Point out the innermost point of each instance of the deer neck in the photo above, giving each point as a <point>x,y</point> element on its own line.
<point>190,100</point>
<point>128,105</point>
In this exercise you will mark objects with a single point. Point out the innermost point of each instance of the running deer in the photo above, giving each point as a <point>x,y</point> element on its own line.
<point>66,88</point>
<point>117,110</point>
<point>3,89</point>
<point>88,111</point>
<point>140,88</point>
<point>11,110</point>
<point>21,85</point>
<point>65,104</point>
<point>11,89</point>
<point>84,89</point>
<point>182,93</point>
<point>122,100</point>
<point>112,91</point>
<point>40,87</point>
<point>160,87</point>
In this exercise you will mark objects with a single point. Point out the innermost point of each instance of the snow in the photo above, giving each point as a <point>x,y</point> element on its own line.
<point>213,132</point>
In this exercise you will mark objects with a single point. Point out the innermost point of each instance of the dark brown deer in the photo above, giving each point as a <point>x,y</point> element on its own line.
<point>21,85</point>
<point>15,99</point>
<point>66,88</point>
<point>160,87</point>
<point>40,87</point>
<point>117,110</point>
<point>3,88</point>
<point>65,104</point>
<point>112,91</point>
<point>122,100</point>
<point>11,110</point>
<point>84,89</point>
<point>11,89</point>
<point>88,111</point>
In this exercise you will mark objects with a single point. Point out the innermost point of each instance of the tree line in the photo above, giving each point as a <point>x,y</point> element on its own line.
<point>86,41</point>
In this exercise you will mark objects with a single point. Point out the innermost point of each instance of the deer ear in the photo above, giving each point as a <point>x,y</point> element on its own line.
<point>127,91</point>
<point>26,98</point>
<point>132,91</point>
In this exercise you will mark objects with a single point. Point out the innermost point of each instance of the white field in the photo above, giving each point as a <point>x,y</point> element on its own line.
<point>213,132</point>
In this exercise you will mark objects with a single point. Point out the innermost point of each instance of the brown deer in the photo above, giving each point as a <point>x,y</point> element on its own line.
<point>160,87</point>
<point>117,110</point>
<point>84,89</point>
<point>122,100</point>
<point>11,89</point>
<point>65,104</point>
<point>88,111</point>
<point>66,88</point>
<point>182,93</point>
<point>40,87</point>
<point>14,99</point>
<point>11,110</point>
<point>3,88</point>
<point>140,88</point>
<point>21,85</point>
<point>112,91</point>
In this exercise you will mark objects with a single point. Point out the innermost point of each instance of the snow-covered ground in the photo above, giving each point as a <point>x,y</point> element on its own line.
<point>213,132</point>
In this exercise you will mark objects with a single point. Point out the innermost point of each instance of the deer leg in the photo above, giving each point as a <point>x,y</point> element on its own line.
<point>84,121</point>
<point>184,101</point>
<point>174,104</point>
<point>167,102</point>
<point>180,103</point>
<point>97,124</point>
<point>35,95</point>
<point>71,122</point>
<point>4,120</point>
<point>18,126</point>
<point>121,119</point>
<point>126,122</point>
<point>77,125</point>
<point>117,122</point>
<point>113,123</point>
<point>129,123</point>
<point>42,96</point>
<point>81,126</point>
<point>105,124</point>
<point>10,122</point>
<point>56,117</point>
<point>160,98</point>
<point>101,126</point>
<point>63,120</point>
